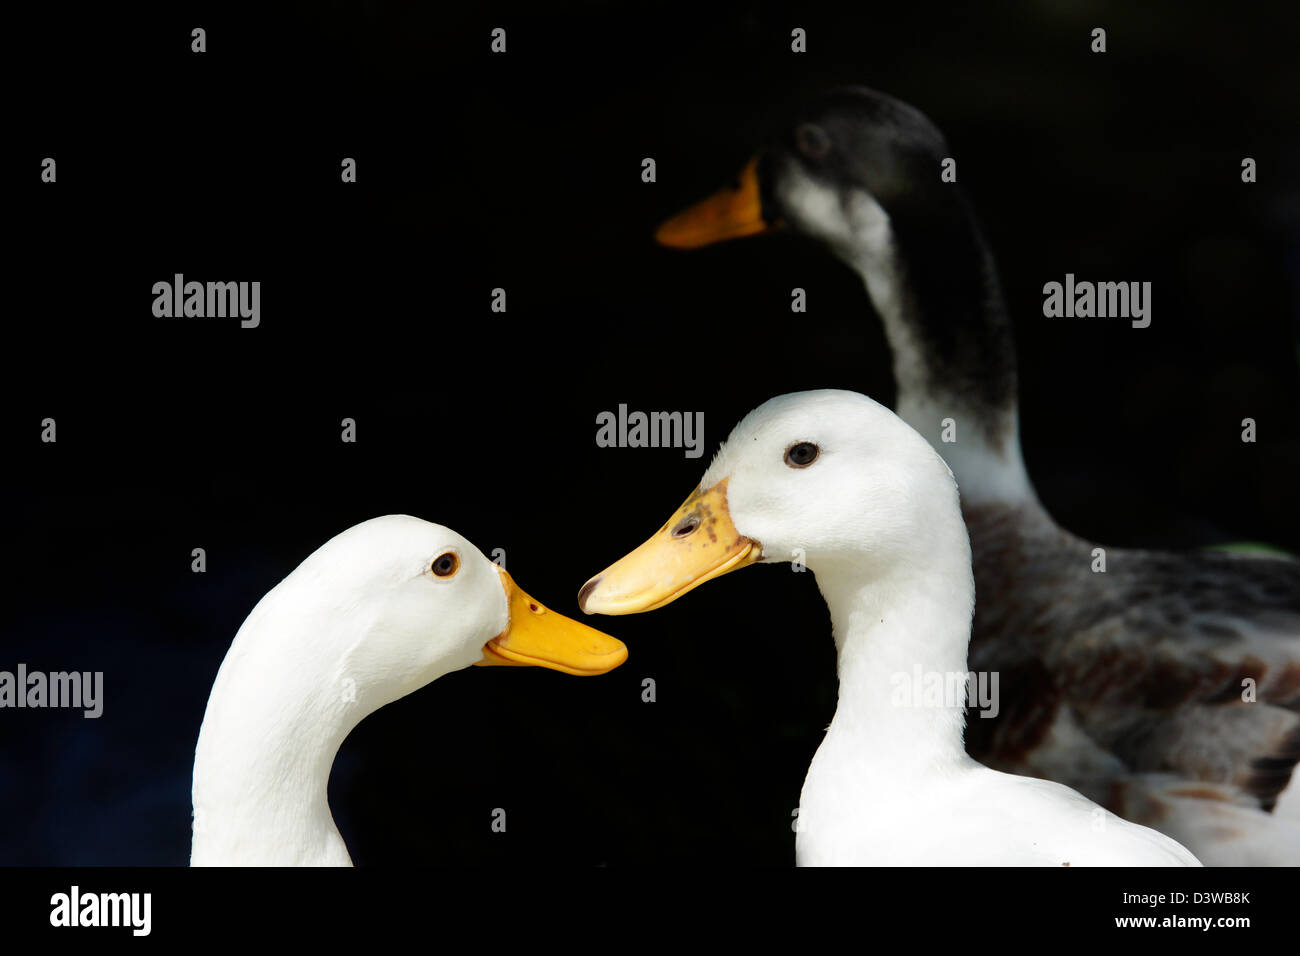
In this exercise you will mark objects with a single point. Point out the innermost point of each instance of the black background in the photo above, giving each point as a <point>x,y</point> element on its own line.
<point>523,171</point>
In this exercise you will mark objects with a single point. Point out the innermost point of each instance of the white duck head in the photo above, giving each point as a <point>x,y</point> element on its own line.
<point>827,478</point>
<point>374,614</point>
<point>405,601</point>
<point>840,484</point>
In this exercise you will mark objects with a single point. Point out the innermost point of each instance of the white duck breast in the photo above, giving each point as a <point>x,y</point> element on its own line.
<point>375,613</point>
<point>1125,685</point>
<point>874,510</point>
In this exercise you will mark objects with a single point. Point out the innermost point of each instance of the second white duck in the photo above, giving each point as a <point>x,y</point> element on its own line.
<point>374,614</point>
<point>840,481</point>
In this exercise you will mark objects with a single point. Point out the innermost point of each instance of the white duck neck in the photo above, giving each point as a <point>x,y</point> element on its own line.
<point>895,633</point>
<point>269,738</point>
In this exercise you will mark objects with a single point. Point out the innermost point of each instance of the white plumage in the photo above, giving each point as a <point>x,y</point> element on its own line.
<point>876,518</point>
<point>374,614</point>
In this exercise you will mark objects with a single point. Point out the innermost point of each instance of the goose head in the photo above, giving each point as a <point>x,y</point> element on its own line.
<point>826,478</point>
<point>845,171</point>
<point>396,602</point>
<point>862,174</point>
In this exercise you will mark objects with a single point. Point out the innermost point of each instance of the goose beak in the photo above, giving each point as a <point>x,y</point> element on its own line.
<point>537,636</point>
<point>698,544</point>
<point>730,213</point>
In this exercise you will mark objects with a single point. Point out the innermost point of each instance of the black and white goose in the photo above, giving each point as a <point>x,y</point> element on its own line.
<point>1128,685</point>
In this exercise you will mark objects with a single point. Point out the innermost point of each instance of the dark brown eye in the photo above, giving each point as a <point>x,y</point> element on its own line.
<point>801,455</point>
<point>812,141</point>
<point>444,566</point>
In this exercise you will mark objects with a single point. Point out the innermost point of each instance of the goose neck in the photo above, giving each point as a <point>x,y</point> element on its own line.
<point>941,305</point>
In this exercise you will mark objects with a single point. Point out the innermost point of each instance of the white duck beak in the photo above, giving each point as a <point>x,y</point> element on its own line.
<point>697,544</point>
<point>537,636</point>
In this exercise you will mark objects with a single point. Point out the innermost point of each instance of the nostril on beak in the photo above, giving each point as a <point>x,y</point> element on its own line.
<point>686,526</point>
<point>586,593</point>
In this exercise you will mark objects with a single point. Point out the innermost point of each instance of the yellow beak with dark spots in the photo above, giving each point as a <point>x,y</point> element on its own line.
<point>697,544</point>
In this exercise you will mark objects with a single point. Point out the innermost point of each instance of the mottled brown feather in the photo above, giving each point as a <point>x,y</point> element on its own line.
<point>1147,659</point>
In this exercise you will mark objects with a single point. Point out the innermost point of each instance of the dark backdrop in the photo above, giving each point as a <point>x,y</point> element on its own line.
<point>522,171</point>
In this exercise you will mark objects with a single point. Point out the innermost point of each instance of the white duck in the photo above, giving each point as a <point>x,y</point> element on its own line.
<point>872,509</point>
<point>1167,688</point>
<point>375,613</point>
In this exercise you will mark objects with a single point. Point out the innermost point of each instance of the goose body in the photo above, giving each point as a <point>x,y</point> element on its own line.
<point>873,510</point>
<point>1168,688</point>
<point>374,614</point>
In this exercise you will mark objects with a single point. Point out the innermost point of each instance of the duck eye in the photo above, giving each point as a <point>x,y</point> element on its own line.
<point>444,566</point>
<point>812,141</point>
<point>801,455</point>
